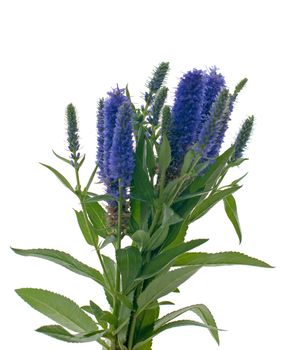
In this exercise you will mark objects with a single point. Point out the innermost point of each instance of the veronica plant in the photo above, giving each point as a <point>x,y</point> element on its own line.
<point>162,170</point>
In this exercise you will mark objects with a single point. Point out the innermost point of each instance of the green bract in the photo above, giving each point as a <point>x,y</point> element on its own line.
<point>156,216</point>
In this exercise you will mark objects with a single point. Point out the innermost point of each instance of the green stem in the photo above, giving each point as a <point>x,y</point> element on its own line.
<point>80,195</point>
<point>118,246</point>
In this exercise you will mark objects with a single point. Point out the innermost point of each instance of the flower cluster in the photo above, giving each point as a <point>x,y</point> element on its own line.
<point>115,153</point>
<point>199,116</point>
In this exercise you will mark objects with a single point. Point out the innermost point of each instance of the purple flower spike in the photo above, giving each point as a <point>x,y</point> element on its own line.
<point>122,155</point>
<point>187,113</point>
<point>112,104</point>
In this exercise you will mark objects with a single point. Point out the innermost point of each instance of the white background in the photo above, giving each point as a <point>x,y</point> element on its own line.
<point>57,52</point>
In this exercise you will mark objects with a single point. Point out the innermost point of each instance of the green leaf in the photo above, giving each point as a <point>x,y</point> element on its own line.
<point>109,277</point>
<point>124,318</point>
<point>96,311</point>
<point>166,258</point>
<point>68,161</point>
<point>129,262</point>
<point>99,198</point>
<point>201,310</point>
<point>208,180</point>
<point>98,218</point>
<point>204,206</point>
<point>163,285</point>
<point>188,158</point>
<point>150,158</point>
<point>65,260</point>
<point>89,235</point>
<point>144,327</point>
<point>217,259</point>
<point>108,240</point>
<point>107,316</point>
<point>64,181</point>
<point>142,188</point>
<point>231,211</point>
<point>158,237</point>
<point>59,308</point>
<point>169,216</point>
<point>169,325</point>
<point>164,157</point>
<point>60,333</point>
<point>140,237</point>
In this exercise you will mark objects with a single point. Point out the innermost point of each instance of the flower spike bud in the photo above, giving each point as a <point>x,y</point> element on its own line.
<point>158,105</point>
<point>72,133</point>
<point>239,87</point>
<point>158,78</point>
<point>243,138</point>
<point>166,119</point>
<point>101,138</point>
<point>209,139</point>
<point>215,82</point>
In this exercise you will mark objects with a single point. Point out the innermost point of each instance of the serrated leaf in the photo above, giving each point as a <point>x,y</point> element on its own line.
<point>140,237</point>
<point>201,310</point>
<point>231,211</point>
<point>158,237</point>
<point>65,260</point>
<point>163,285</point>
<point>129,262</point>
<point>109,277</point>
<point>89,234</point>
<point>59,308</point>
<point>96,311</point>
<point>204,206</point>
<point>98,218</point>
<point>60,333</point>
<point>169,325</point>
<point>61,177</point>
<point>217,259</point>
<point>166,258</point>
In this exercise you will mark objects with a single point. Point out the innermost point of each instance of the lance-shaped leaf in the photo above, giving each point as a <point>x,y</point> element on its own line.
<point>166,258</point>
<point>60,333</point>
<point>98,218</point>
<point>204,206</point>
<point>208,180</point>
<point>61,177</point>
<point>129,261</point>
<point>217,259</point>
<point>87,231</point>
<point>58,308</point>
<point>65,260</point>
<point>163,285</point>
<point>231,211</point>
<point>199,309</point>
<point>169,325</point>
